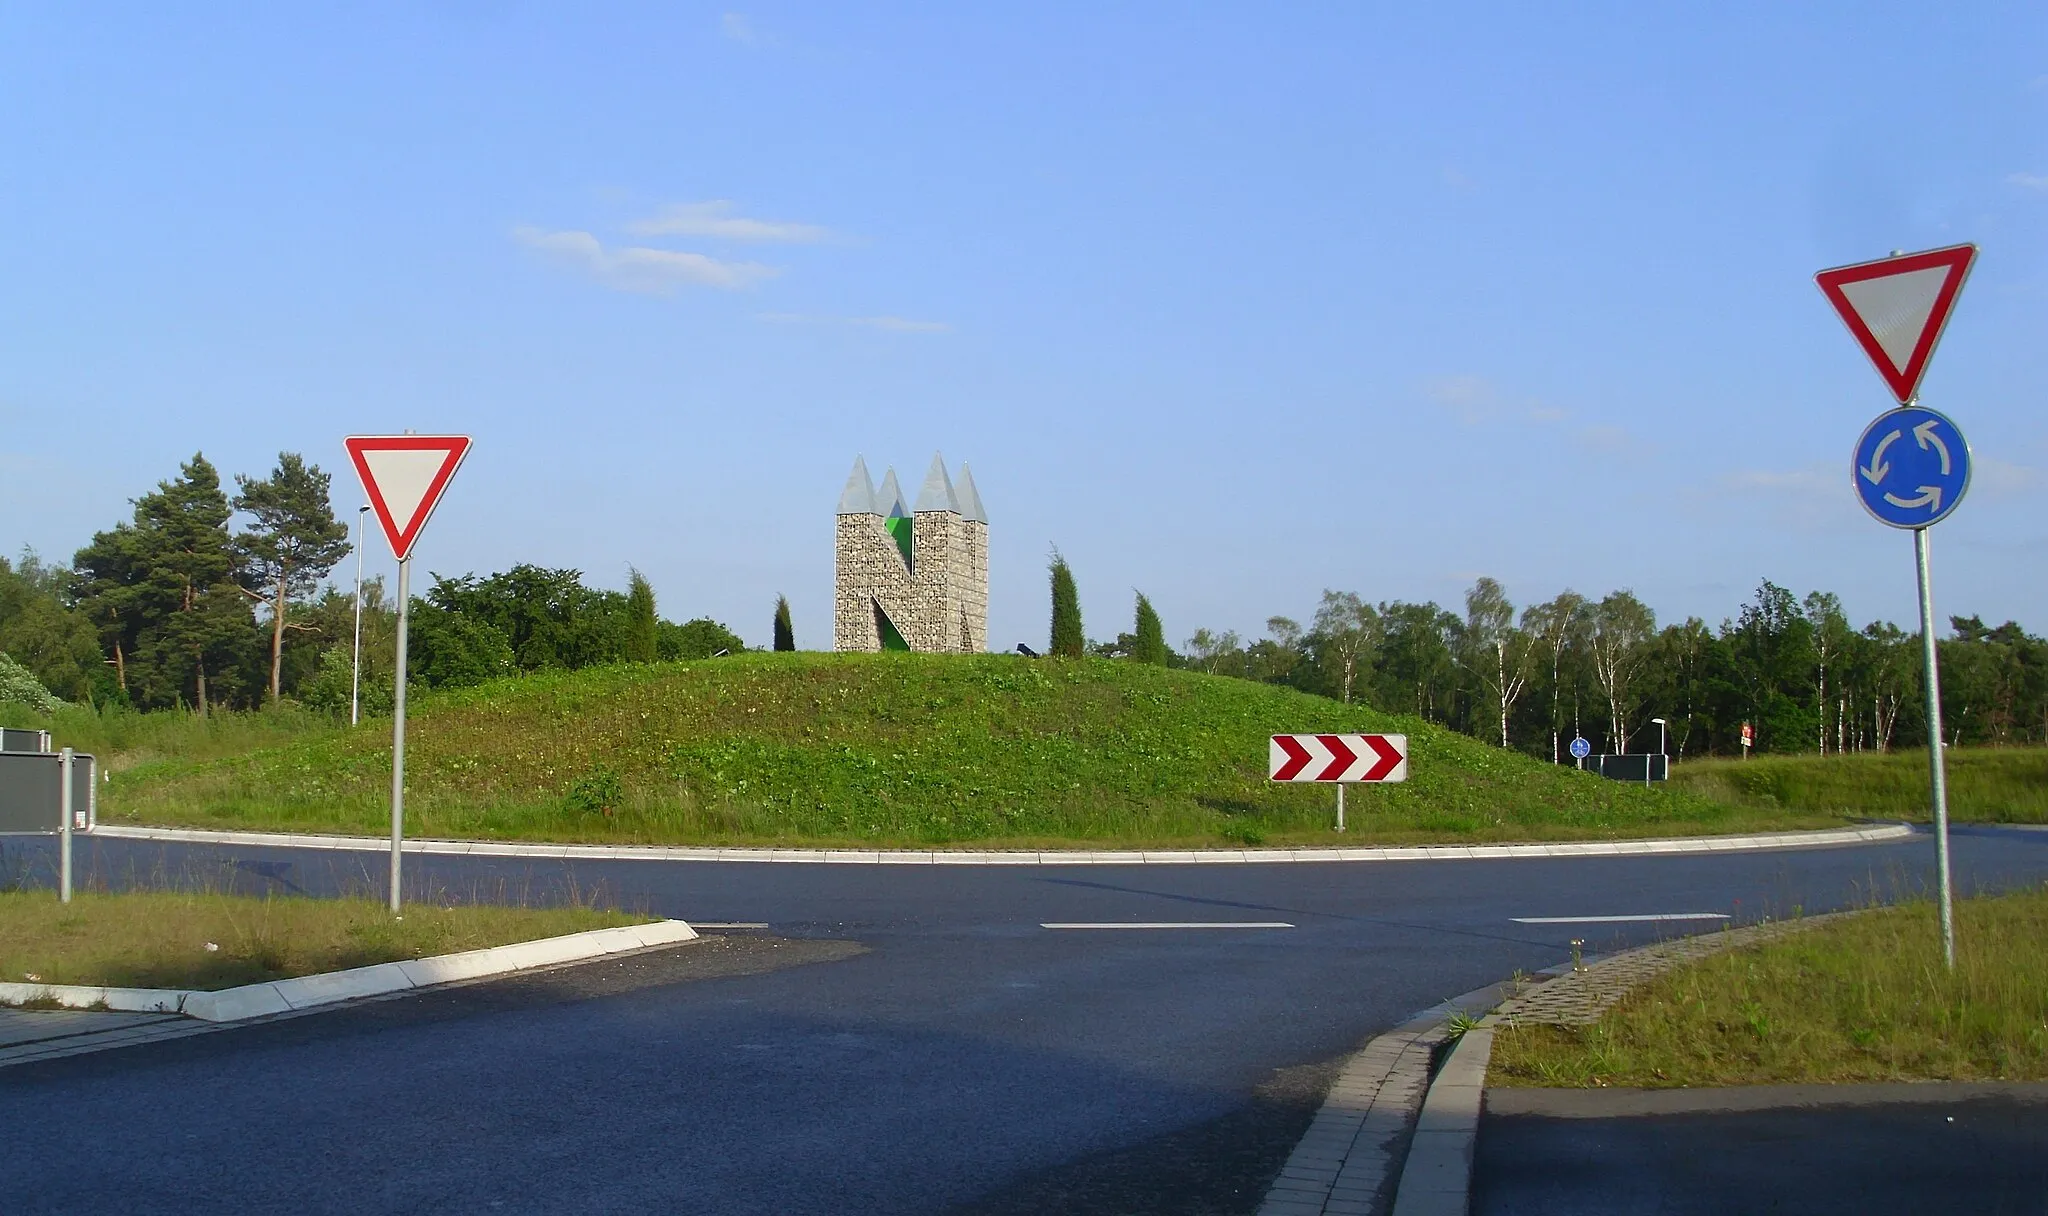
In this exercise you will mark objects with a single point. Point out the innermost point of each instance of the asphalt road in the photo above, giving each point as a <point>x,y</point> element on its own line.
<point>899,1039</point>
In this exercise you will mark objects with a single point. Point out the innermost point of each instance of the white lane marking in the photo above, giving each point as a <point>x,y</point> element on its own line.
<point>728,924</point>
<point>1615,920</point>
<point>1167,924</point>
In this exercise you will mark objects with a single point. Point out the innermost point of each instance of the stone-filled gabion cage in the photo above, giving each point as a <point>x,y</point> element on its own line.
<point>911,578</point>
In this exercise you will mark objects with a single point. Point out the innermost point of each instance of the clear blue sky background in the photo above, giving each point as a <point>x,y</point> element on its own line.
<point>1230,303</point>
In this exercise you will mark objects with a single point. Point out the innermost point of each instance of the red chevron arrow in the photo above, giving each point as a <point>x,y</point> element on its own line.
<point>1341,757</point>
<point>1297,757</point>
<point>1390,757</point>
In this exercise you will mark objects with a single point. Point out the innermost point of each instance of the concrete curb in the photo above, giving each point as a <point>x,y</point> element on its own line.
<point>1834,837</point>
<point>308,991</point>
<point>1436,1180</point>
<point>1352,1150</point>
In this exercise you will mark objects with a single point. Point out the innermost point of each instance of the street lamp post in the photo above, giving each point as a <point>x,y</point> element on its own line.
<point>1660,751</point>
<point>355,676</point>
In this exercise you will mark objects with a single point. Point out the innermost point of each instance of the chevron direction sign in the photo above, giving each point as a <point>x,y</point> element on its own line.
<point>1345,758</point>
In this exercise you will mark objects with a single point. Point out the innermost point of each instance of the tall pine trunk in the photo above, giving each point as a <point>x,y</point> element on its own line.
<point>277,641</point>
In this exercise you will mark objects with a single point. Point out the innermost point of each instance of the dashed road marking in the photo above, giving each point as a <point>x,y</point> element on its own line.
<point>1166,924</point>
<point>1616,920</point>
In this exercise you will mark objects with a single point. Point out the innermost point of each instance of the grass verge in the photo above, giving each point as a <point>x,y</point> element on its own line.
<point>1985,784</point>
<point>1865,998</point>
<point>893,751</point>
<point>207,940</point>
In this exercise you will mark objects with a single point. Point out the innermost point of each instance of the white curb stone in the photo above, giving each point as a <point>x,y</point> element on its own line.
<point>309,991</point>
<point>587,852</point>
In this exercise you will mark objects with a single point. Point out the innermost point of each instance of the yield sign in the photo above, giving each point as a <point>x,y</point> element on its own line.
<point>1897,307</point>
<point>1346,758</point>
<point>404,475</point>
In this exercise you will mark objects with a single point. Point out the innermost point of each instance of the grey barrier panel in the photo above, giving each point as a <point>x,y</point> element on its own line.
<point>31,788</point>
<point>13,740</point>
<point>1638,767</point>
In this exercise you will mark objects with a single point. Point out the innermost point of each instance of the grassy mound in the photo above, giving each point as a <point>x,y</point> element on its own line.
<point>1985,785</point>
<point>890,750</point>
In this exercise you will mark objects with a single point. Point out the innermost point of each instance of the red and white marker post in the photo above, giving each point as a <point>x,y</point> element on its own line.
<point>1339,760</point>
<point>405,476</point>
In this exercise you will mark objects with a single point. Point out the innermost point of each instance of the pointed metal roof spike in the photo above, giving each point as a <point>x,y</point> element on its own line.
<point>937,494</point>
<point>889,499</point>
<point>971,509</point>
<point>858,498</point>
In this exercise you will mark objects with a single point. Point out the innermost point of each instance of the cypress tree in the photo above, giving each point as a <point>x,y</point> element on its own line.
<point>1067,639</point>
<point>1150,646</point>
<point>641,629</point>
<point>785,634</point>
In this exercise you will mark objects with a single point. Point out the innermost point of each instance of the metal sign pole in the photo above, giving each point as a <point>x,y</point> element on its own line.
<point>64,766</point>
<point>1937,766</point>
<point>398,731</point>
<point>1340,806</point>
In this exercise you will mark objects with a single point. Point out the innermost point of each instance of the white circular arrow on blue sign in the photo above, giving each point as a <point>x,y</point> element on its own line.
<point>1911,468</point>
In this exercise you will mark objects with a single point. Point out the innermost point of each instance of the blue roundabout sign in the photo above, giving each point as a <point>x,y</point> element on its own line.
<point>1911,467</point>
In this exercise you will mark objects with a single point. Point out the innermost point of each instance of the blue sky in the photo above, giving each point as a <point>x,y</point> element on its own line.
<point>1231,304</point>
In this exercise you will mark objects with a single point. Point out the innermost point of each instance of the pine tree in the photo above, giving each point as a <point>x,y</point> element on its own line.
<point>642,628</point>
<point>1067,639</point>
<point>185,594</point>
<point>785,634</point>
<point>295,542</point>
<point>1149,644</point>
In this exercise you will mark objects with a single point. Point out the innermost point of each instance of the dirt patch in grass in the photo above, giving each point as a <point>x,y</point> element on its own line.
<point>1863,999</point>
<point>207,941</point>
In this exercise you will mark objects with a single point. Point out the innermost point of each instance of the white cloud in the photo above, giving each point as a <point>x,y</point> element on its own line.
<point>715,219</point>
<point>2002,478</point>
<point>899,325</point>
<point>1471,399</point>
<point>736,27</point>
<point>1474,400</point>
<point>637,268</point>
<point>2029,181</point>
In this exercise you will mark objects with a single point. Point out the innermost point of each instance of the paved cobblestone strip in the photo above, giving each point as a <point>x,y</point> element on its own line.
<point>1347,1156</point>
<point>1578,998</point>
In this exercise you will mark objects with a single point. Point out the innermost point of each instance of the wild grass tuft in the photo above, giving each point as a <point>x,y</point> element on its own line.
<point>1864,998</point>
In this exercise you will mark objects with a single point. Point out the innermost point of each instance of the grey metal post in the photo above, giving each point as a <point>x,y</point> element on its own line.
<point>1340,806</point>
<point>64,827</point>
<point>398,730</point>
<point>1937,767</point>
<point>355,667</point>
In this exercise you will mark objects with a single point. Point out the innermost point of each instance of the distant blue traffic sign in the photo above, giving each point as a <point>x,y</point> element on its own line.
<point>1581,749</point>
<point>1911,467</point>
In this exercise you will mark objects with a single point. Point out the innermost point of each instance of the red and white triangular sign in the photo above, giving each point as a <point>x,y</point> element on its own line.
<point>1897,307</point>
<point>404,475</point>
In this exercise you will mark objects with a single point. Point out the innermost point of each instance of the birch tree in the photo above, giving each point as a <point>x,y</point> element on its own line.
<point>1344,633</point>
<point>1553,627</point>
<point>1622,627</point>
<point>1495,651</point>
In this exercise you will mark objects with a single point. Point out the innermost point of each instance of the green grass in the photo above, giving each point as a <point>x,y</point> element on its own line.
<point>159,939</point>
<point>1986,785</point>
<point>1865,998</point>
<point>890,750</point>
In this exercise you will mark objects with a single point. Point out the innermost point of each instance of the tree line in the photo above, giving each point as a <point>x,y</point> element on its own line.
<point>1794,669</point>
<point>205,599</point>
